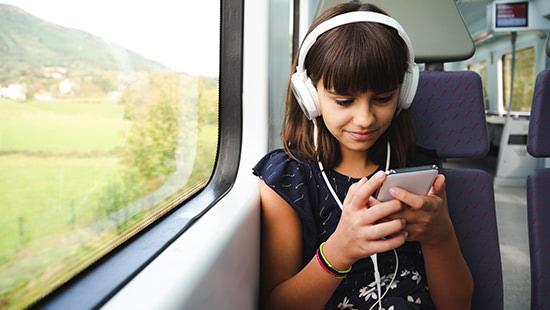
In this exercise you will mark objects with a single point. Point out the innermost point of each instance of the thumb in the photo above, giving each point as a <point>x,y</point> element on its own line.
<point>438,187</point>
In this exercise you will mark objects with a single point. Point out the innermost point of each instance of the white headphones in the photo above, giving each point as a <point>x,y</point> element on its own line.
<point>305,91</point>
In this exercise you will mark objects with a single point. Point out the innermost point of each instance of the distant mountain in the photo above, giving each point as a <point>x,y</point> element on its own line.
<point>28,43</point>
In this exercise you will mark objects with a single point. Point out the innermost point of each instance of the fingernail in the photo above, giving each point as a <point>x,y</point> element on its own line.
<point>380,175</point>
<point>406,235</point>
<point>393,191</point>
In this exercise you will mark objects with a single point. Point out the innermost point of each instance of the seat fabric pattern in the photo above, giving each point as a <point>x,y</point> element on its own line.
<point>450,114</point>
<point>538,215</point>
<point>470,198</point>
<point>538,143</point>
<point>538,194</point>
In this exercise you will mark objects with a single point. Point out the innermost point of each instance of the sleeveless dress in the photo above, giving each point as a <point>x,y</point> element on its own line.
<point>301,185</point>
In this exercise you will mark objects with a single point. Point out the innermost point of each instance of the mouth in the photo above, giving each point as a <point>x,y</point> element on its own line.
<point>362,135</point>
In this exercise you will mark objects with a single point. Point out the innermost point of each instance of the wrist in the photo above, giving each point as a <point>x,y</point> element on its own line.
<point>328,267</point>
<point>335,255</point>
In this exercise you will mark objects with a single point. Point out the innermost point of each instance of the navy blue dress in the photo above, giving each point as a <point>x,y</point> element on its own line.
<point>301,185</point>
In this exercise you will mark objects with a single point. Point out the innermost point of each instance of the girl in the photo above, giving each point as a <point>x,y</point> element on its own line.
<point>355,78</point>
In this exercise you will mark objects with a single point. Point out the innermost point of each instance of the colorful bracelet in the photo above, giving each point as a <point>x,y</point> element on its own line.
<point>327,266</point>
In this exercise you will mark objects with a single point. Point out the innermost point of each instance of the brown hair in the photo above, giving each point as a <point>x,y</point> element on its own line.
<point>351,59</point>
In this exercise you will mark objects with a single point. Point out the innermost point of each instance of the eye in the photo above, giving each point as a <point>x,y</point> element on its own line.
<point>344,102</point>
<point>384,99</point>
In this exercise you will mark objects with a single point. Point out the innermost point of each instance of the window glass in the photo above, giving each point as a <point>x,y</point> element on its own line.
<point>108,119</point>
<point>480,67</point>
<point>524,83</point>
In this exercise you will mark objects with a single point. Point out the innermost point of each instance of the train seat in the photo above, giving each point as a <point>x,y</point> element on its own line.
<point>450,115</point>
<point>538,193</point>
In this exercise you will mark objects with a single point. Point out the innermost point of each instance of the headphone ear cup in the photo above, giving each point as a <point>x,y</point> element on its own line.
<point>408,88</point>
<point>306,95</point>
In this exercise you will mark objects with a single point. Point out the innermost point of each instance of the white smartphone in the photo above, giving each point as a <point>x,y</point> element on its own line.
<point>417,180</point>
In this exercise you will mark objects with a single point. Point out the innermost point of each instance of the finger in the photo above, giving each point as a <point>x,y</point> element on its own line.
<point>384,245</point>
<point>373,202</point>
<point>355,186</point>
<point>413,200</point>
<point>382,210</point>
<point>410,215</point>
<point>381,230</point>
<point>365,190</point>
<point>352,190</point>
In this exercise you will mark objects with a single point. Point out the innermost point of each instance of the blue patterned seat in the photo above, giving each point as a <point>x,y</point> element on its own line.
<point>450,115</point>
<point>538,194</point>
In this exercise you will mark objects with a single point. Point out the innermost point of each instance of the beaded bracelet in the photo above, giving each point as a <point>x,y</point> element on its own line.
<point>327,266</point>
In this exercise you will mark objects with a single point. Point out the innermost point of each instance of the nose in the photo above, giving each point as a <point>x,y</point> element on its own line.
<point>363,115</point>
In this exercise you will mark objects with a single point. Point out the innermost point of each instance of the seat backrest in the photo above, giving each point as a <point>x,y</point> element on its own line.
<point>538,215</point>
<point>450,118</point>
<point>538,143</point>
<point>538,193</point>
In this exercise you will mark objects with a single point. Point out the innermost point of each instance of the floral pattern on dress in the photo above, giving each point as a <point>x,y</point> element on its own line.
<point>369,292</point>
<point>346,305</point>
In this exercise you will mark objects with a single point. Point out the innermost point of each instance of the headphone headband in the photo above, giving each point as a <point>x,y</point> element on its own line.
<point>349,18</point>
<point>305,91</point>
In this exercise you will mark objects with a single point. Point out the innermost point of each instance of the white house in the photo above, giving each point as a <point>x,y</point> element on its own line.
<point>13,91</point>
<point>42,96</point>
<point>66,86</point>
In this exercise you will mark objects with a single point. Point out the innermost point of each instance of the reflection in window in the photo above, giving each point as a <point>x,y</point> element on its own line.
<point>97,141</point>
<point>524,83</point>
<point>480,67</point>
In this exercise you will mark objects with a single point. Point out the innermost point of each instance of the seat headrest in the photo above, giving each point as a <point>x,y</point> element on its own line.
<point>449,114</point>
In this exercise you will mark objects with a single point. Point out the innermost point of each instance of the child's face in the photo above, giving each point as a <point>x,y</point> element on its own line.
<point>358,120</point>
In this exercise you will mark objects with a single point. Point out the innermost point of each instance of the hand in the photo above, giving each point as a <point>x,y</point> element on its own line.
<point>427,216</point>
<point>359,232</point>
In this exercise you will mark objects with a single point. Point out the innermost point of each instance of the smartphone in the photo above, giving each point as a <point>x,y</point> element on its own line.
<point>417,180</point>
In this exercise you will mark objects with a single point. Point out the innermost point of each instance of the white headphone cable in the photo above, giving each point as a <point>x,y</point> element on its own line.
<point>373,257</point>
<point>315,137</point>
<point>389,285</point>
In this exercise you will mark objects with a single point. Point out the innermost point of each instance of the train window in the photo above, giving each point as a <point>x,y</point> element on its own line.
<point>109,119</point>
<point>480,67</point>
<point>524,83</point>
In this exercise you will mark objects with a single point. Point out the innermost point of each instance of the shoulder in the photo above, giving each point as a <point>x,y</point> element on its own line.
<point>293,178</point>
<point>278,164</point>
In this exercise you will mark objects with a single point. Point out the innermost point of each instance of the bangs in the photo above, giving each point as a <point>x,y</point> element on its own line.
<point>359,57</point>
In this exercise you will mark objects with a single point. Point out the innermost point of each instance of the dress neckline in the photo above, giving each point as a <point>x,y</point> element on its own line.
<point>344,177</point>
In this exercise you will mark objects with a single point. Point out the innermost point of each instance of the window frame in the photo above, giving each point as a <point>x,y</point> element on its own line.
<point>94,286</point>
<point>475,66</point>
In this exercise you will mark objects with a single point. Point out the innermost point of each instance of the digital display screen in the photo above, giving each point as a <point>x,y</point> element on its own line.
<point>513,14</point>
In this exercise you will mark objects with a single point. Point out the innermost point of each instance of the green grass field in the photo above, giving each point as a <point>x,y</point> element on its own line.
<point>61,127</point>
<point>49,157</point>
<point>58,162</point>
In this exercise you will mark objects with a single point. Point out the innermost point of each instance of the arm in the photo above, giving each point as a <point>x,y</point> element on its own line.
<point>284,284</point>
<point>428,221</point>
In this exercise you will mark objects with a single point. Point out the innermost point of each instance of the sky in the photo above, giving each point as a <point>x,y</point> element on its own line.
<point>172,32</point>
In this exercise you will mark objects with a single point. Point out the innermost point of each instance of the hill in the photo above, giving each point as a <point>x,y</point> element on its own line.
<point>28,44</point>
